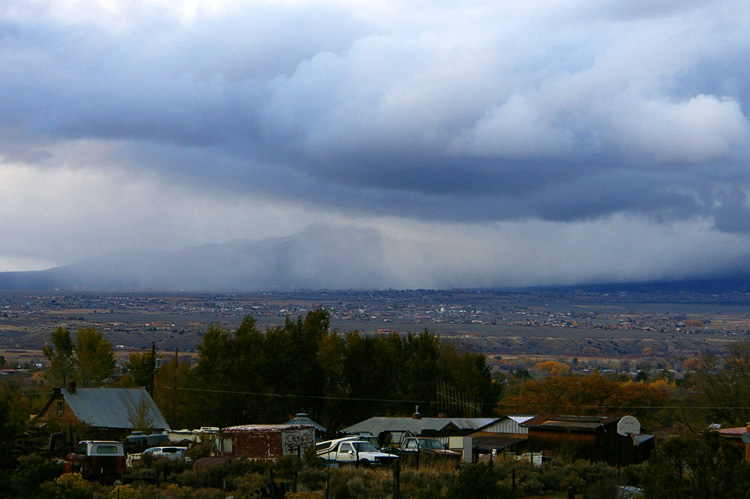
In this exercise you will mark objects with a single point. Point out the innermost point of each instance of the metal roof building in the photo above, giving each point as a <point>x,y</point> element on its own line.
<point>302,419</point>
<point>105,408</point>
<point>420,426</point>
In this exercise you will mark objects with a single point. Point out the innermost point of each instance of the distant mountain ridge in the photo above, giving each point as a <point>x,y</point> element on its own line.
<point>739,283</point>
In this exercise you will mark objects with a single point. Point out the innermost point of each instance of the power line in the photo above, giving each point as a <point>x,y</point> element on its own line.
<point>498,405</point>
<point>691,407</point>
<point>320,397</point>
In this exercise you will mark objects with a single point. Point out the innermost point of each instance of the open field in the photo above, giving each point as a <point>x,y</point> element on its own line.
<point>501,325</point>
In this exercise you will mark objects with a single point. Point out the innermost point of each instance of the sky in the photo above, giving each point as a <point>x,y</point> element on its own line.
<point>489,143</point>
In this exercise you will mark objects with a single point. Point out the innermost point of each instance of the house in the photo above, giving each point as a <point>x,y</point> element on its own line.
<point>99,413</point>
<point>511,425</point>
<point>501,439</point>
<point>441,428</point>
<point>614,440</point>
<point>452,432</point>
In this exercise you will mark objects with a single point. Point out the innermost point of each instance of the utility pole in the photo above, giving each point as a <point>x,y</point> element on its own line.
<point>153,368</point>
<point>174,403</point>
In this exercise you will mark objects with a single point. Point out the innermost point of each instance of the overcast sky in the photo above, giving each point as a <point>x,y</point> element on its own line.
<point>488,142</point>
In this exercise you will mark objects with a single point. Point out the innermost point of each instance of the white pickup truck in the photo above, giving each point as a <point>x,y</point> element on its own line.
<point>352,450</point>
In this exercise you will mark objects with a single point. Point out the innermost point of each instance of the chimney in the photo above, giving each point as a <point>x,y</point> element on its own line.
<point>72,387</point>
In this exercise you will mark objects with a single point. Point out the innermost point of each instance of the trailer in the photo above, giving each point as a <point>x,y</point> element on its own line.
<point>263,441</point>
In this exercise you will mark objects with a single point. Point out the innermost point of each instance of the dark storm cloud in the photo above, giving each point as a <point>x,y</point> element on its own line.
<point>562,112</point>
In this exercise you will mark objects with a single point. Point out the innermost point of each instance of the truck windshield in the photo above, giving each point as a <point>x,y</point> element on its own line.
<point>364,447</point>
<point>431,444</point>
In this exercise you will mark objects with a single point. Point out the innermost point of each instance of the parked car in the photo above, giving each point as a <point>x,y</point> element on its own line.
<point>426,449</point>
<point>171,452</point>
<point>351,450</point>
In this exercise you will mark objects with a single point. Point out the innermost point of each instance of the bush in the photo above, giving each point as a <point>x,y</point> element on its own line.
<point>32,471</point>
<point>69,486</point>
<point>200,449</point>
<point>475,481</point>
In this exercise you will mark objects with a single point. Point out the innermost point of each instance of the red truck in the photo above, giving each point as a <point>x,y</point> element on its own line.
<point>97,460</point>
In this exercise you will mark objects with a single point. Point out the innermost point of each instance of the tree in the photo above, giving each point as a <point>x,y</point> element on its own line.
<point>552,367</point>
<point>139,366</point>
<point>96,362</point>
<point>171,377</point>
<point>697,466</point>
<point>336,378</point>
<point>585,395</point>
<point>470,375</point>
<point>723,384</point>
<point>140,419</point>
<point>229,377</point>
<point>61,359</point>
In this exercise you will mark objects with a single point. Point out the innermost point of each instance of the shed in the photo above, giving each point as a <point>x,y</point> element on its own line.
<point>270,441</point>
<point>301,419</point>
<point>615,440</point>
<point>739,436</point>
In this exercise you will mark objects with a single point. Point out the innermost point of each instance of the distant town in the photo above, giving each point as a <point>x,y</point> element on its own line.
<point>601,330</point>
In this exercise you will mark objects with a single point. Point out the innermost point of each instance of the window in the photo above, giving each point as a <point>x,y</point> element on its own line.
<point>59,407</point>
<point>106,449</point>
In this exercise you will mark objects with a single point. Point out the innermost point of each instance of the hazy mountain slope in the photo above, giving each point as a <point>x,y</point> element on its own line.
<point>309,259</point>
<point>320,257</point>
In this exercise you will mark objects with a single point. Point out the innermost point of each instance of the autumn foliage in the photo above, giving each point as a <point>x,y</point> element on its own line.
<point>552,367</point>
<point>585,395</point>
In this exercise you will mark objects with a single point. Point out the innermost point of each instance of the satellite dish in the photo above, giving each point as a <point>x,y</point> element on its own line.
<point>628,425</point>
<point>746,437</point>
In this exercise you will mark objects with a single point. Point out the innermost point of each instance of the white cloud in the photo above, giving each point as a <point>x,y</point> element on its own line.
<point>697,130</point>
<point>514,130</point>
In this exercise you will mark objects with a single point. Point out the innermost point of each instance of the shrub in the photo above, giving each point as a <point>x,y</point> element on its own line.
<point>69,486</point>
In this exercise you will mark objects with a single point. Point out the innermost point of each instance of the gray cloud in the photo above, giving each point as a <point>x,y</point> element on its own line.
<point>481,113</point>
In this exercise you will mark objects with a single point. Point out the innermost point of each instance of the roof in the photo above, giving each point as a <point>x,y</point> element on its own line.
<point>262,428</point>
<point>740,430</point>
<point>112,407</point>
<point>377,425</point>
<point>572,423</point>
<point>520,419</point>
<point>639,439</point>
<point>302,419</point>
